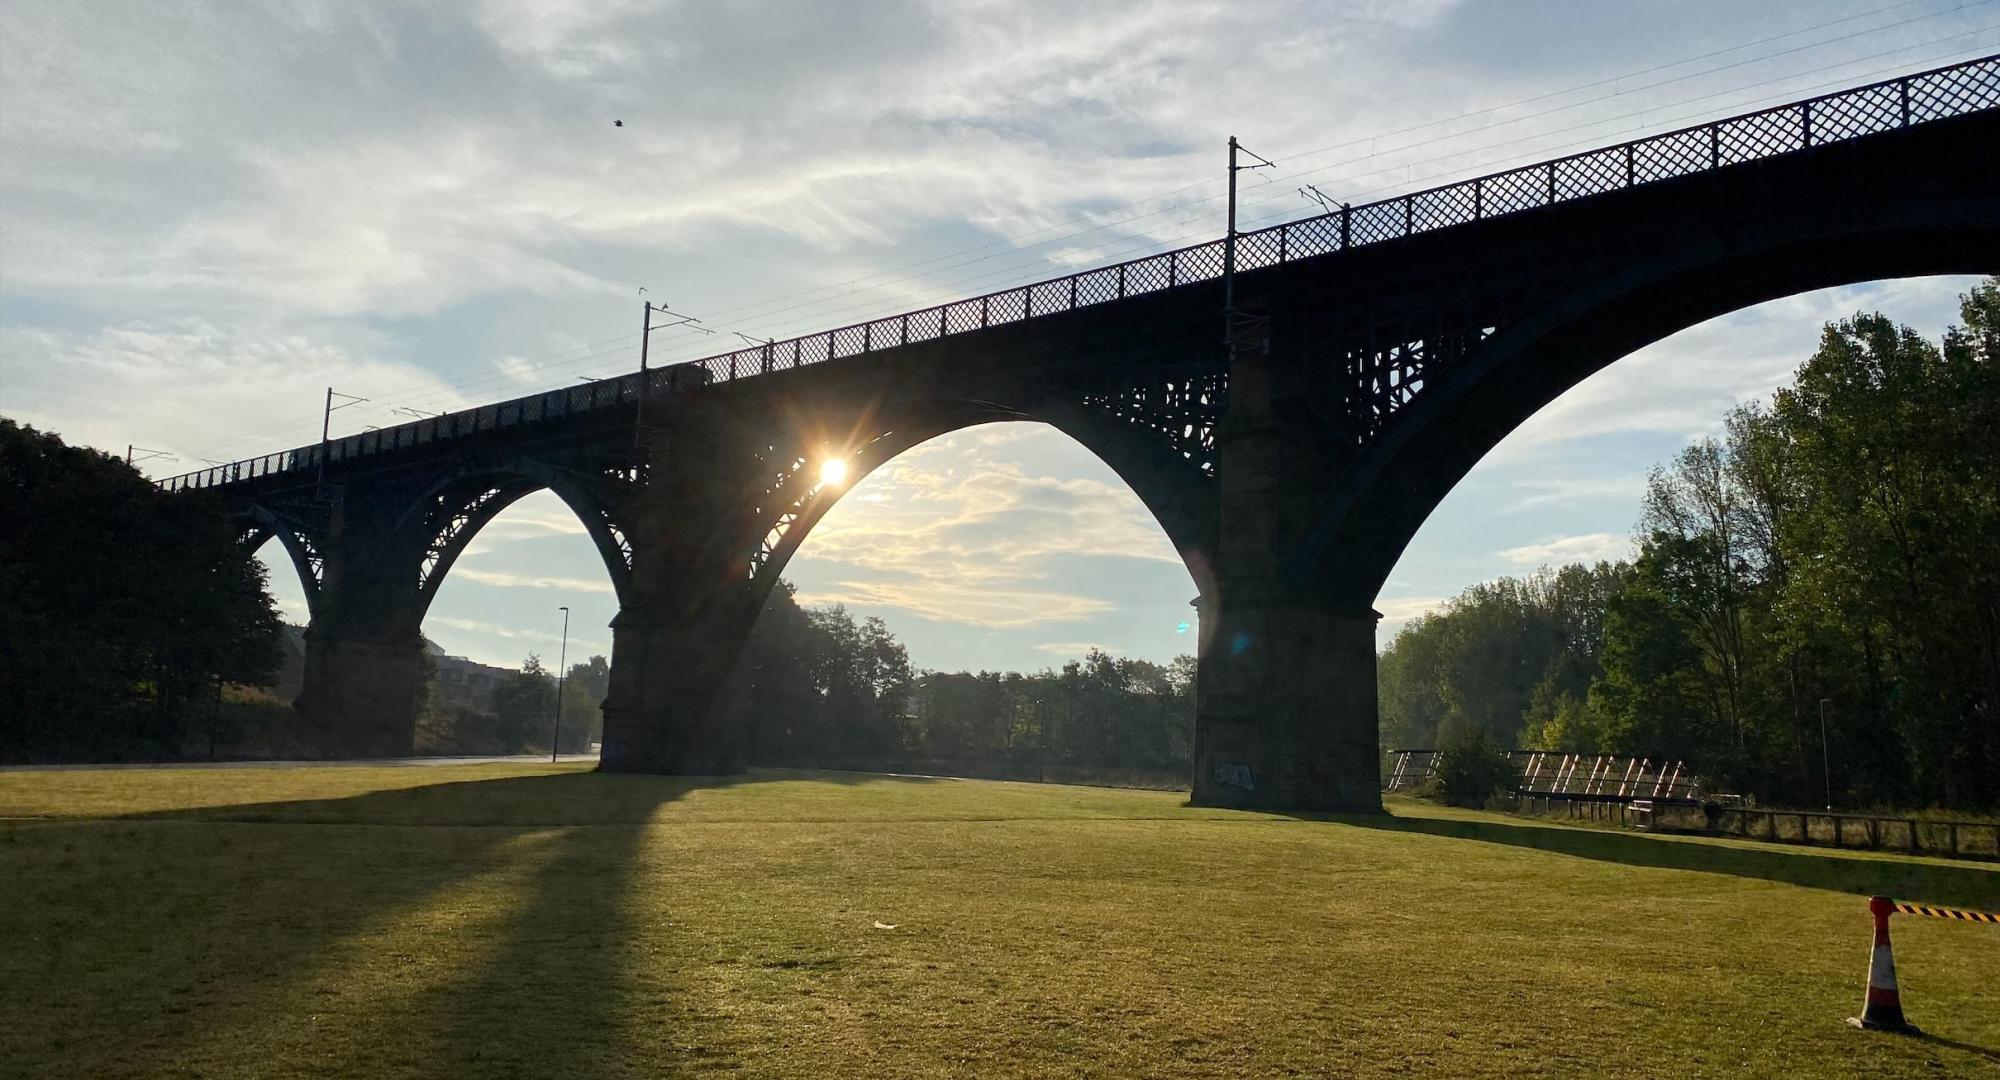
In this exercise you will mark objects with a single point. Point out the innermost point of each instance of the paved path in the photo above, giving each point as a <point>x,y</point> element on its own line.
<point>519,758</point>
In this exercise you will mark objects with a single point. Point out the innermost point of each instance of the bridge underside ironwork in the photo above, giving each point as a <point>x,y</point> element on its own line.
<point>1400,342</point>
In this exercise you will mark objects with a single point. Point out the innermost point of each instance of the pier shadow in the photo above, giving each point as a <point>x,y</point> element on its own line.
<point>1975,886</point>
<point>199,939</point>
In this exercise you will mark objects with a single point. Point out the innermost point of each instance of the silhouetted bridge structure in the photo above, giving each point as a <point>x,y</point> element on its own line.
<point>1393,345</point>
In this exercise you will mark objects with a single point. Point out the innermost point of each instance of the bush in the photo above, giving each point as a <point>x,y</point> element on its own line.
<point>1470,770</point>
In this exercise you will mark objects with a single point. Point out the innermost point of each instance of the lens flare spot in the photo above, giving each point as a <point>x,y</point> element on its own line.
<point>833,471</point>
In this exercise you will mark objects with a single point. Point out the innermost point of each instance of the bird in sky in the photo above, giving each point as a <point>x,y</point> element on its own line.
<point>617,123</point>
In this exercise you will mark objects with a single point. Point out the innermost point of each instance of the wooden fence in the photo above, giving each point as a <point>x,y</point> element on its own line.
<point>1819,828</point>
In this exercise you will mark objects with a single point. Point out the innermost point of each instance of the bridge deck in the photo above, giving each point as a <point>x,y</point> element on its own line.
<point>1891,105</point>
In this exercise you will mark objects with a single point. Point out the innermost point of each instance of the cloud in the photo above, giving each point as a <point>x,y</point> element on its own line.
<point>1072,649</point>
<point>960,539</point>
<point>996,609</point>
<point>1588,548</point>
<point>579,646</point>
<point>1400,610</point>
<point>1546,492</point>
<point>196,388</point>
<point>504,580</point>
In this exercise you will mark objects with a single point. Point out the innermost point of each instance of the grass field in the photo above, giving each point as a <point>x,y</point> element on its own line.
<point>523,920</point>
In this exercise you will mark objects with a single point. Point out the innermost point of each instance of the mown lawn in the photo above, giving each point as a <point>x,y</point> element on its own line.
<point>523,920</point>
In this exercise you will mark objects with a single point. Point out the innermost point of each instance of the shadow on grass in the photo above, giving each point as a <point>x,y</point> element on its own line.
<point>1988,1053</point>
<point>159,938</point>
<point>1961,886</point>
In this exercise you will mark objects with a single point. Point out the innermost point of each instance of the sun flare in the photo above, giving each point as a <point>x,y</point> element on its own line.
<point>833,471</point>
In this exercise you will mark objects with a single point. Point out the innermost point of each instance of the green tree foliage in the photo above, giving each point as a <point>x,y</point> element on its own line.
<point>1472,768</point>
<point>524,708</point>
<point>123,609</point>
<point>822,686</point>
<point>1504,656</point>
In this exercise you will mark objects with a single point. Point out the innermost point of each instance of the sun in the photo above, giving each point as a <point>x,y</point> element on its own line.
<point>833,471</point>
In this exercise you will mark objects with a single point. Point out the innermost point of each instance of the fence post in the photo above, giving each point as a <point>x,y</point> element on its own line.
<point>1805,122</point>
<point>1072,293</point>
<point>1629,171</point>
<point>1347,215</point>
<point>1409,215</point>
<point>1121,281</point>
<point>983,304</point>
<point>1903,92</point>
<point>1715,146</point>
<point>1552,184</point>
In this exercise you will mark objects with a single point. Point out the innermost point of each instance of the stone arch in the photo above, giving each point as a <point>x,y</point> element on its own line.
<point>1361,527</point>
<point>445,517</point>
<point>1146,466</point>
<point>260,524</point>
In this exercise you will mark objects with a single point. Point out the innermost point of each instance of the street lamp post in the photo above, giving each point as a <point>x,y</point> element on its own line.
<point>1042,726</point>
<point>562,668</point>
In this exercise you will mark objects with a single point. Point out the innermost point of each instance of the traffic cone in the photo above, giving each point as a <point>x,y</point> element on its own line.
<point>1883,1008</point>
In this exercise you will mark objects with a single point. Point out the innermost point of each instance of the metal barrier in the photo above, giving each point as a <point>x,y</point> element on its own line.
<point>1939,94</point>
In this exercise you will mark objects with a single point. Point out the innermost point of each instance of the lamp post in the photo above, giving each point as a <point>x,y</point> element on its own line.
<point>1825,759</point>
<point>562,668</point>
<point>1042,725</point>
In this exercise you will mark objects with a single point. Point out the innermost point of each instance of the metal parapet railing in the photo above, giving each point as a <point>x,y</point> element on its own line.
<point>1938,94</point>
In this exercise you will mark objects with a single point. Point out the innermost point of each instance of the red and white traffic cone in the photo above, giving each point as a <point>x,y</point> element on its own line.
<point>1883,1009</point>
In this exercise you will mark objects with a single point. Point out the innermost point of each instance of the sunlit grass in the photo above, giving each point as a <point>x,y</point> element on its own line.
<point>535,920</point>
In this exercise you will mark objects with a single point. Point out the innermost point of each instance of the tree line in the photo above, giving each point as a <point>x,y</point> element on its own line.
<point>820,687</point>
<point>1813,611</point>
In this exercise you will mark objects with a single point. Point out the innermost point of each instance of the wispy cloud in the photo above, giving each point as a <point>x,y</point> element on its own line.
<point>1400,610</point>
<point>504,580</point>
<point>960,540</point>
<point>1588,548</point>
<point>484,628</point>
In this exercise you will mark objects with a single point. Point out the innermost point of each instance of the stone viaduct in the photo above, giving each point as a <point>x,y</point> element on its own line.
<point>1385,348</point>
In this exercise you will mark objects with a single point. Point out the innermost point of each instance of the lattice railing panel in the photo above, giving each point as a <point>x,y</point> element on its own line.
<point>1973,86</point>
<point>1444,207</point>
<point>1591,174</point>
<point>1759,136</point>
<point>1864,112</point>
<point>1672,155</point>
<point>1508,192</point>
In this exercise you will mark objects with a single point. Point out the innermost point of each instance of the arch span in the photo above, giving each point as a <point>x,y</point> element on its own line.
<point>1186,523</point>
<point>1388,491</point>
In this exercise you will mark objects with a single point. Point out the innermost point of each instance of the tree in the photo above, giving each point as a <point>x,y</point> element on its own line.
<point>123,608</point>
<point>524,708</point>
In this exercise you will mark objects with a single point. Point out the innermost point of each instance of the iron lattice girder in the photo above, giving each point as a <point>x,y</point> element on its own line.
<point>1178,405</point>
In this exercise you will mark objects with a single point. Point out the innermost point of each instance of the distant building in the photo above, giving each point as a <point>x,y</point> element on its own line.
<point>462,682</point>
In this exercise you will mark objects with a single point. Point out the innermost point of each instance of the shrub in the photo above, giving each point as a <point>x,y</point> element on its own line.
<point>1471,769</point>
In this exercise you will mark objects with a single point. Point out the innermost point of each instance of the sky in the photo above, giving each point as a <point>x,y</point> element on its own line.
<point>211,213</point>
